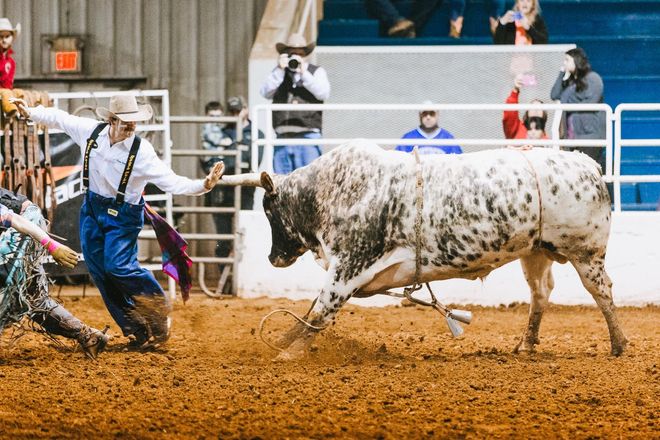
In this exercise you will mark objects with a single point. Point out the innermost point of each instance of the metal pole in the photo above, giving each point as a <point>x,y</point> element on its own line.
<point>167,155</point>
<point>237,205</point>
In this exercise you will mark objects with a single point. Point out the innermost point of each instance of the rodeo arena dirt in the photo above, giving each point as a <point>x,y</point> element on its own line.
<point>364,291</point>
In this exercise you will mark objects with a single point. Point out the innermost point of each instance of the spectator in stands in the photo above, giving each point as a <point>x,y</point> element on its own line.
<point>522,25</point>
<point>393,24</point>
<point>577,84</point>
<point>296,81</point>
<point>216,139</point>
<point>515,128</point>
<point>8,35</point>
<point>428,129</point>
<point>237,106</point>
<point>219,137</point>
<point>457,12</point>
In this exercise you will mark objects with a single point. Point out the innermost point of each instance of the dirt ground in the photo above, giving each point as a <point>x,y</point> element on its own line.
<point>377,373</point>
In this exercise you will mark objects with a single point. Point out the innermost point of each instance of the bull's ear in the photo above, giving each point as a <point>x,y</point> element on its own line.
<point>267,183</point>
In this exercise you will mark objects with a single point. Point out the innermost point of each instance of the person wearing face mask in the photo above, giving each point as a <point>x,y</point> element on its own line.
<point>577,84</point>
<point>428,129</point>
<point>516,128</point>
<point>522,25</point>
<point>117,165</point>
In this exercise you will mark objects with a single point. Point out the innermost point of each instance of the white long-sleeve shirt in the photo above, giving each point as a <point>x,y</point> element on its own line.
<point>106,163</point>
<point>317,83</point>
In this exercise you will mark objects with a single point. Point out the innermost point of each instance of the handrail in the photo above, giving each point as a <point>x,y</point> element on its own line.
<point>620,142</point>
<point>612,141</point>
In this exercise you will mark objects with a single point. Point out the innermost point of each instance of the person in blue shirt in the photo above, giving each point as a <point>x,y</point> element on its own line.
<point>429,129</point>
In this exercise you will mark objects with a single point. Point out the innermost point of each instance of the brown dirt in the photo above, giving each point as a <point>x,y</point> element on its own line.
<point>377,373</point>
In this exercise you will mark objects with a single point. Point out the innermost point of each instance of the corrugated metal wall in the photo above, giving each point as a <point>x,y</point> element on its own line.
<point>198,49</point>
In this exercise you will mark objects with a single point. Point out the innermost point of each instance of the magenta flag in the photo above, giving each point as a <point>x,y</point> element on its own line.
<point>176,262</point>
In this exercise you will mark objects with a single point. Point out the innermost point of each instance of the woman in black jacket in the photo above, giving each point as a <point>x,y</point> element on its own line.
<point>522,25</point>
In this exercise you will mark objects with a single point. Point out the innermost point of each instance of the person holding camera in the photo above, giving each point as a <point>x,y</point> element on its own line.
<point>296,81</point>
<point>523,25</point>
<point>532,125</point>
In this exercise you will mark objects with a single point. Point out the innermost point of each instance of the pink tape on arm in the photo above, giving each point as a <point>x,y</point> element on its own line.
<point>50,244</point>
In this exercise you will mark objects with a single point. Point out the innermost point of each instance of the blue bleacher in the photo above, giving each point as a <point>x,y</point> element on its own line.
<point>622,39</point>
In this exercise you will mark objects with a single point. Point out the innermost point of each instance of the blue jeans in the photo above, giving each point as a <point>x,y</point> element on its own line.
<point>109,244</point>
<point>287,158</point>
<point>497,8</point>
<point>387,14</point>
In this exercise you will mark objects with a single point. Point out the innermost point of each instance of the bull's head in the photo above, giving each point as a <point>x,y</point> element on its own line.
<point>286,245</point>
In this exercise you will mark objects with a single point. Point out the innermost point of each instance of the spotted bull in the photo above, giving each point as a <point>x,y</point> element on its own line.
<point>355,209</point>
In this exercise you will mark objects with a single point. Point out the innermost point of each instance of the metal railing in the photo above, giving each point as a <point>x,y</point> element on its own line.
<point>620,142</point>
<point>232,260</point>
<point>262,117</point>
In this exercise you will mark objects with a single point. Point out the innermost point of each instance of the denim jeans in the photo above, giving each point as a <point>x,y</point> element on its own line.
<point>387,14</point>
<point>457,8</point>
<point>109,244</point>
<point>287,158</point>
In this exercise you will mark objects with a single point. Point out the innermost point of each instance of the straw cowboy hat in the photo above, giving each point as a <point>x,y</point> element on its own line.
<point>125,108</point>
<point>295,41</point>
<point>5,25</point>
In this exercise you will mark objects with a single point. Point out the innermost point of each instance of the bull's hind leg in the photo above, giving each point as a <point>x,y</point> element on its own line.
<point>538,273</point>
<point>597,282</point>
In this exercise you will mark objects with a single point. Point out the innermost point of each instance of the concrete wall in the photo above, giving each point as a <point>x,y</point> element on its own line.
<point>632,262</point>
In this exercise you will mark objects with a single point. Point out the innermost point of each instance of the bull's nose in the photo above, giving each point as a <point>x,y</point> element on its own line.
<point>279,261</point>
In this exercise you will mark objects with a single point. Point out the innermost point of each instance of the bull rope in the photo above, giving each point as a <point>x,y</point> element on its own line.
<point>288,312</point>
<point>538,186</point>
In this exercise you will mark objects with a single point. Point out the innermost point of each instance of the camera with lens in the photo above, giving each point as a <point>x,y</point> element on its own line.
<point>294,62</point>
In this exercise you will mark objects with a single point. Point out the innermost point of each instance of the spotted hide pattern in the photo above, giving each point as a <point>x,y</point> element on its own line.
<point>354,208</point>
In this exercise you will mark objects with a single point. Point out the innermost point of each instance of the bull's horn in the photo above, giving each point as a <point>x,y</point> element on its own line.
<point>247,179</point>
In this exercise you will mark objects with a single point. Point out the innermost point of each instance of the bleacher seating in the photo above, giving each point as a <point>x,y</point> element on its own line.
<point>622,39</point>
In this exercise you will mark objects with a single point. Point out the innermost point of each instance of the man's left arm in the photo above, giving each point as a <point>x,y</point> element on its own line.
<point>317,83</point>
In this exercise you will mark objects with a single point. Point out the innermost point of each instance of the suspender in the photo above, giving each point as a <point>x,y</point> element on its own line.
<point>91,143</point>
<point>128,169</point>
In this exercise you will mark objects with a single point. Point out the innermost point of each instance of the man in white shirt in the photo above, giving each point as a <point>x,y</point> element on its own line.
<point>117,165</point>
<point>295,81</point>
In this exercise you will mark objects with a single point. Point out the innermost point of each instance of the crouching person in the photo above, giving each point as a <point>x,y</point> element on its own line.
<point>117,165</point>
<point>23,282</point>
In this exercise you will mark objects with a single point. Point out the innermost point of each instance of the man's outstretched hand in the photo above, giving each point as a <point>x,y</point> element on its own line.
<point>214,175</point>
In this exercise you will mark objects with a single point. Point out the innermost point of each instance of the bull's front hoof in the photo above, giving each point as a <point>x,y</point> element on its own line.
<point>289,356</point>
<point>291,336</point>
<point>298,347</point>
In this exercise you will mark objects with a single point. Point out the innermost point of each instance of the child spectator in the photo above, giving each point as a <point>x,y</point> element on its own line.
<point>515,128</point>
<point>522,25</point>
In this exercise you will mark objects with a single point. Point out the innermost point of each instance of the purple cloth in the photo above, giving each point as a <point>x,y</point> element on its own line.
<point>176,262</point>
